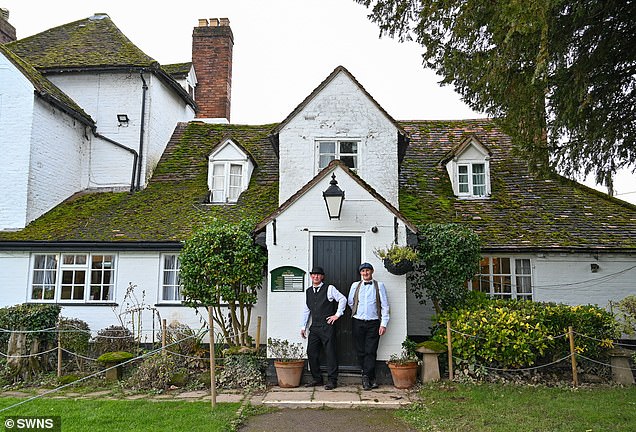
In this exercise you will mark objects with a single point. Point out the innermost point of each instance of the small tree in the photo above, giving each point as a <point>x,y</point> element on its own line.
<point>448,256</point>
<point>221,264</point>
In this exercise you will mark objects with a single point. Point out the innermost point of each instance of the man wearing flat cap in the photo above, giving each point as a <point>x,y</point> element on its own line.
<point>324,304</point>
<point>370,312</point>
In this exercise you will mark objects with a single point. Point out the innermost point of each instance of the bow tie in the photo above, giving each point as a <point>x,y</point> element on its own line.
<point>368,283</point>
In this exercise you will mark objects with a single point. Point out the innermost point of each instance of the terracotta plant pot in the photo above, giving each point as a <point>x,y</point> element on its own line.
<point>289,373</point>
<point>404,375</point>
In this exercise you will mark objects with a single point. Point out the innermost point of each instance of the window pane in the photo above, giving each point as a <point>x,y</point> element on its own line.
<point>101,277</point>
<point>44,277</point>
<point>325,159</point>
<point>348,147</point>
<point>463,178</point>
<point>349,161</point>
<point>328,147</point>
<point>236,181</point>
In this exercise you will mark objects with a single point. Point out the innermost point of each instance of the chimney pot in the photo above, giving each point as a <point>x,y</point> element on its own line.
<point>203,22</point>
<point>214,22</point>
<point>225,22</point>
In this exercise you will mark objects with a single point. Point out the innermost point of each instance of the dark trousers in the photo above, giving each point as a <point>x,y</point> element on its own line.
<point>367,338</point>
<point>322,336</point>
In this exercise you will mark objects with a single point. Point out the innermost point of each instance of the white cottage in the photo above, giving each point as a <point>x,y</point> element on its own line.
<point>85,218</point>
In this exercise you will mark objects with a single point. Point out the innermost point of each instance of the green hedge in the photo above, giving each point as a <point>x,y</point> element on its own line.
<point>517,334</point>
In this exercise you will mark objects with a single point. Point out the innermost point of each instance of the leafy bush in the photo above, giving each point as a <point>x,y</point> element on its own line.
<point>75,336</point>
<point>157,372</point>
<point>114,338</point>
<point>29,317</point>
<point>515,334</point>
<point>626,314</point>
<point>243,371</point>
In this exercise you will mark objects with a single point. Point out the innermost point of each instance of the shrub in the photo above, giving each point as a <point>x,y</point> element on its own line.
<point>157,372</point>
<point>626,314</point>
<point>75,336</point>
<point>114,338</point>
<point>283,350</point>
<point>516,334</point>
<point>243,371</point>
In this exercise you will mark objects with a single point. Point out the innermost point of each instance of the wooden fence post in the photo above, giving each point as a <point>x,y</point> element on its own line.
<point>212,361</point>
<point>258,333</point>
<point>59,351</point>
<point>450,350</point>
<point>163,336</point>
<point>575,377</point>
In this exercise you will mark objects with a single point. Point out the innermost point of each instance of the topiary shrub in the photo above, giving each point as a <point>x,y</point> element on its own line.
<point>114,338</point>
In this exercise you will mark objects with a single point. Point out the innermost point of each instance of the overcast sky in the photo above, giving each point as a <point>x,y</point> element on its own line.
<point>282,50</point>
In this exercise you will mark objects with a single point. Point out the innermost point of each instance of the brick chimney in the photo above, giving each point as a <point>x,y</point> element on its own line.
<point>212,43</point>
<point>7,31</point>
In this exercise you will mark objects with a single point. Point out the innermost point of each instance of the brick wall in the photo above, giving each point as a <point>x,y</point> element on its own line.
<point>7,31</point>
<point>212,44</point>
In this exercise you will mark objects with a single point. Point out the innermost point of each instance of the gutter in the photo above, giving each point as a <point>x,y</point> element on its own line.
<point>141,129</point>
<point>134,153</point>
<point>75,245</point>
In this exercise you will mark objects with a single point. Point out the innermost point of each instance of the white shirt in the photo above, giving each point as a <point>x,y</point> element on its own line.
<point>367,309</point>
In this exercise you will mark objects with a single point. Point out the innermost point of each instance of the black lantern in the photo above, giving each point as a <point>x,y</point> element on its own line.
<point>334,196</point>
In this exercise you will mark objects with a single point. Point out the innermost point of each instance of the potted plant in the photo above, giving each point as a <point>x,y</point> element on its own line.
<point>397,259</point>
<point>289,361</point>
<point>403,366</point>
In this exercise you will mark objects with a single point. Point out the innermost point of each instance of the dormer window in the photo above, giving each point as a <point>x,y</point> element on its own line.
<point>344,150</point>
<point>468,167</point>
<point>471,179</point>
<point>229,172</point>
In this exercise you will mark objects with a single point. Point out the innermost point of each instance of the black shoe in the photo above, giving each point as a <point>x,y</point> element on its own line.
<point>313,384</point>
<point>366,384</point>
<point>331,386</point>
<point>374,385</point>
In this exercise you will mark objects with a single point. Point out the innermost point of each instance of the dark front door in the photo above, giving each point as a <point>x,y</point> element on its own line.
<point>340,258</point>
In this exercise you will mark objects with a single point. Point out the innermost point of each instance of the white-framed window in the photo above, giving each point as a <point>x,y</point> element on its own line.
<point>471,179</point>
<point>229,172</point>
<point>170,282</point>
<point>505,277</point>
<point>344,150</point>
<point>227,181</point>
<point>72,277</point>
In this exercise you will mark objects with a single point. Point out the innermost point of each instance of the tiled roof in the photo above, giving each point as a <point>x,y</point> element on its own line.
<point>173,204</point>
<point>93,42</point>
<point>524,211</point>
<point>177,70</point>
<point>46,89</point>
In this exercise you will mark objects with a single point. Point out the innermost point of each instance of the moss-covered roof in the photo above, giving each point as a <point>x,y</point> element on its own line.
<point>178,70</point>
<point>524,211</point>
<point>173,204</point>
<point>46,89</point>
<point>93,42</point>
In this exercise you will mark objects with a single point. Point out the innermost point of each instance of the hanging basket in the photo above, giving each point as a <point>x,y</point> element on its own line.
<point>400,268</point>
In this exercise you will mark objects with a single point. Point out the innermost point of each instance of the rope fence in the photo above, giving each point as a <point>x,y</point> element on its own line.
<point>572,355</point>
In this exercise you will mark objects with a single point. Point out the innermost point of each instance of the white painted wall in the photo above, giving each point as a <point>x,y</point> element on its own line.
<point>341,110</point>
<point>560,278</point>
<point>105,95</point>
<point>307,217</point>
<point>139,268</point>
<point>59,159</point>
<point>16,120</point>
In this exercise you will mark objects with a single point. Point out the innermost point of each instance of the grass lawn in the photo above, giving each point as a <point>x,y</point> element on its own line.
<point>507,408</point>
<point>83,415</point>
